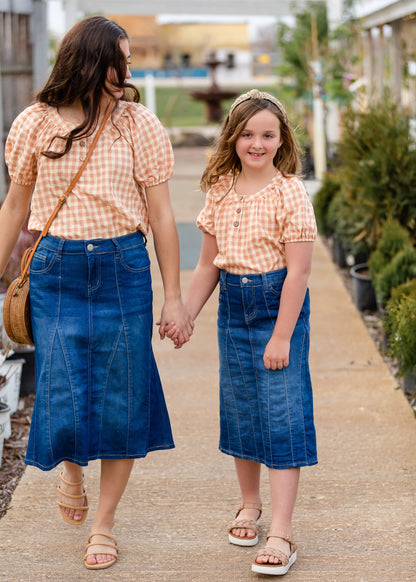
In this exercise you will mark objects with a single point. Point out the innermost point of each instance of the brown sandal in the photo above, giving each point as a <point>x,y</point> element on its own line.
<point>112,544</point>
<point>245,524</point>
<point>63,506</point>
<point>285,561</point>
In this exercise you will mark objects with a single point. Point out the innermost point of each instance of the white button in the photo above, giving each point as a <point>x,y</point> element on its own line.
<point>244,280</point>
<point>90,247</point>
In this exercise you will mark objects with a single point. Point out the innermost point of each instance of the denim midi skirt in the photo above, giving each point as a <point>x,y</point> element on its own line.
<point>266,416</point>
<point>98,391</point>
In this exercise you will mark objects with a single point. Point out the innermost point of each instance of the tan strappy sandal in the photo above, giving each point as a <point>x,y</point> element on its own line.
<point>285,561</point>
<point>112,544</point>
<point>245,524</point>
<point>63,506</point>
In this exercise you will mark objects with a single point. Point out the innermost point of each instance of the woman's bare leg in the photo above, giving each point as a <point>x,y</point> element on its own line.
<point>115,474</point>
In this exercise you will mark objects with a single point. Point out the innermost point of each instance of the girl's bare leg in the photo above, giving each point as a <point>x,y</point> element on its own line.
<point>115,474</point>
<point>248,473</point>
<point>284,487</point>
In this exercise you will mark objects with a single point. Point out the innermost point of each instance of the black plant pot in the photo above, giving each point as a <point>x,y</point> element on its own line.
<point>409,384</point>
<point>362,288</point>
<point>339,254</point>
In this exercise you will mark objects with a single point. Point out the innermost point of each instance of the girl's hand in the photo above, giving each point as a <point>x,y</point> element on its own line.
<point>276,354</point>
<point>175,322</point>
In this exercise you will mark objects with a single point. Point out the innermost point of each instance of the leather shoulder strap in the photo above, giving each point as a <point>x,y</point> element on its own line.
<point>64,197</point>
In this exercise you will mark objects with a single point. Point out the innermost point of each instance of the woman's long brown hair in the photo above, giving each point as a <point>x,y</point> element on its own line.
<point>87,51</point>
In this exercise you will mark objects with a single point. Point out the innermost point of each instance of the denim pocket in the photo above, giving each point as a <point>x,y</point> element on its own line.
<point>135,259</point>
<point>43,261</point>
<point>275,289</point>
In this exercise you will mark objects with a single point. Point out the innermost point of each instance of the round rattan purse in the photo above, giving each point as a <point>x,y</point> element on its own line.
<point>16,306</point>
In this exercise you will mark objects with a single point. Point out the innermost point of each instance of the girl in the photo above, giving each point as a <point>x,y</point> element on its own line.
<point>98,392</point>
<point>258,230</point>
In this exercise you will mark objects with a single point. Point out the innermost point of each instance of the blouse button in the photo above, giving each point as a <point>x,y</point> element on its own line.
<point>81,158</point>
<point>241,197</point>
<point>82,144</point>
<point>238,210</point>
<point>236,223</point>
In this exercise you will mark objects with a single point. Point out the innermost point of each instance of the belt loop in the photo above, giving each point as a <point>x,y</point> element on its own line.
<point>223,278</point>
<point>264,280</point>
<point>60,247</point>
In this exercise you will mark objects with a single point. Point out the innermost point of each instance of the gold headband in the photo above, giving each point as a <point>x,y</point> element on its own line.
<point>257,95</point>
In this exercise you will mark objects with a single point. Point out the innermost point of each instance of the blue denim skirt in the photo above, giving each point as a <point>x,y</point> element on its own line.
<point>98,391</point>
<point>266,416</point>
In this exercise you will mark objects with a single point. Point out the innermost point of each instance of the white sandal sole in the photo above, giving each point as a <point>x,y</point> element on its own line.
<point>273,570</point>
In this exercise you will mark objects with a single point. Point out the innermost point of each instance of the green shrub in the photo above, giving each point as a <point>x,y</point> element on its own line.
<point>377,170</point>
<point>322,199</point>
<point>402,268</point>
<point>345,221</point>
<point>400,324</point>
<point>394,238</point>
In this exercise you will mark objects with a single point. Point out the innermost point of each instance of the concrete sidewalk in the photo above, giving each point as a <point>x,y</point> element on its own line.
<point>355,516</point>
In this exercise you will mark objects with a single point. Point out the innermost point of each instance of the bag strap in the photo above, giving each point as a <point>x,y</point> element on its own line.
<point>64,197</point>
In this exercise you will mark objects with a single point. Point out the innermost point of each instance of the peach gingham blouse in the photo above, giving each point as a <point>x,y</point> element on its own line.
<point>132,153</point>
<point>251,231</point>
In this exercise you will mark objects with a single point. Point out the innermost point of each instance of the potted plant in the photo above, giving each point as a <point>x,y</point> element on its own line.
<point>394,239</point>
<point>321,201</point>
<point>399,270</point>
<point>401,326</point>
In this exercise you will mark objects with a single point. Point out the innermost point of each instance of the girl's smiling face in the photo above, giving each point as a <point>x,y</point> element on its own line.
<point>257,144</point>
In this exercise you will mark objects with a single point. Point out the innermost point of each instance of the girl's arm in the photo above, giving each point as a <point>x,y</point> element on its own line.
<point>13,214</point>
<point>204,278</point>
<point>203,282</point>
<point>166,243</point>
<point>298,262</point>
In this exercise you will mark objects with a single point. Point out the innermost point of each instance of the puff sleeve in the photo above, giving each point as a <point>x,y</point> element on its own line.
<point>152,150</point>
<point>20,151</point>
<point>206,218</point>
<point>298,217</point>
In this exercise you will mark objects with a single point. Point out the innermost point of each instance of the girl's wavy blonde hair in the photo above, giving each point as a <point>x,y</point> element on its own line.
<point>224,159</point>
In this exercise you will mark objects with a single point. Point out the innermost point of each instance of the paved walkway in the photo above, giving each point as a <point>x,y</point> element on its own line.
<point>355,516</point>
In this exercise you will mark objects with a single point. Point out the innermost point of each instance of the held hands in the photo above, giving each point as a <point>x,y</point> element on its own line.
<point>175,323</point>
<point>276,354</point>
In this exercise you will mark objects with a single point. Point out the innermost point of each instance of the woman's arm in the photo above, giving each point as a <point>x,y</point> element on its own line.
<point>166,242</point>
<point>298,262</point>
<point>13,214</point>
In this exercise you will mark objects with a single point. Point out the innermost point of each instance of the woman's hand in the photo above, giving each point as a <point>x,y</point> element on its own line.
<point>276,354</point>
<point>175,322</point>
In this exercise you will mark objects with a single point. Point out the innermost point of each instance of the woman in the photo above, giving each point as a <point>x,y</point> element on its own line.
<point>98,392</point>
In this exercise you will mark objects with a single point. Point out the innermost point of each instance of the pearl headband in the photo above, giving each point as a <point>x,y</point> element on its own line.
<point>255,94</point>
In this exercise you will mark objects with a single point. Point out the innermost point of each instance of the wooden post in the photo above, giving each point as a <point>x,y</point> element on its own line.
<point>396,81</point>
<point>319,140</point>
